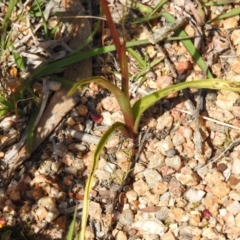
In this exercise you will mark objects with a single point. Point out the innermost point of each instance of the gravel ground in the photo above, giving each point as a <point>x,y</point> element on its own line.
<point>179,187</point>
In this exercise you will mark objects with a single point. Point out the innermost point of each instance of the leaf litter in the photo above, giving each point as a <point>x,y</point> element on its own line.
<point>174,190</point>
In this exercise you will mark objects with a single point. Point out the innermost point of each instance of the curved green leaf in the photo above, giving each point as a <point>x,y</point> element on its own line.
<point>189,45</point>
<point>88,186</point>
<point>229,14</point>
<point>122,99</point>
<point>70,233</point>
<point>144,103</point>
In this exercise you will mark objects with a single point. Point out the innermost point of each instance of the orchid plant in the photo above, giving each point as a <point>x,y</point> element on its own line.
<point>132,114</point>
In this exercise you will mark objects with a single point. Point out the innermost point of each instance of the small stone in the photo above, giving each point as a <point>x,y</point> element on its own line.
<point>164,199</point>
<point>171,152</point>
<point>95,211</point>
<point>230,23</point>
<point>140,187</point>
<point>119,176</point>
<point>110,167</point>
<point>131,196</point>
<point>40,213</point>
<point>122,160</point>
<point>236,110</point>
<point>110,104</point>
<point>194,195</point>
<point>237,219</point>
<point>160,188</point>
<point>52,214</point>
<point>164,81</point>
<point>233,207</point>
<point>53,85</point>
<point>102,175</point>
<point>2,154</point>
<point>177,214</point>
<point>189,231</point>
<point>82,110</point>
<point>121,236</point>
<point>233,181</point>
<point>153,226</point>
<point>234,195</point>
<point>126,217</point>
<point>194,218</point>
<point>236,166</point>
<point>222,167</point>
<point>55,166</point>
<point>182,67</point>
<point>235,36</point>
<point>166,172</point>
<point>221,189</point>
<point>113,141</point>
<point>47,202</point>
<point>15,195</point>
<point>210,233</point>
<point>165,121</point>
<point>178,139</point>
<point>156,160</point>
<point>168,236</point>
<point>175,187</point>
<point>60,149</point>
<point>152,177</point>
<point>70,121</point>
<point>138,168</point>
<point>164,145</point>
<point>173,162</point>
<point>107,118</point>
<point>162,214</point>
<point>188,177</point>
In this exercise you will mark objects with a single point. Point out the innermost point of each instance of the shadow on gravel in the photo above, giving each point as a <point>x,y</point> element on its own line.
<point>21,232</point>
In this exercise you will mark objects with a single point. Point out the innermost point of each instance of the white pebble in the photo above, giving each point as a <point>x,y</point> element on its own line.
<point>194,195</point>
<point>173,162</point>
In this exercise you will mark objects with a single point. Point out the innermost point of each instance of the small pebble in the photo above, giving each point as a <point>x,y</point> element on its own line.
<point>152,177</point>
<point>178,139</point>
<point>194,195</point>
<point>173,162</point>
<point>171,152</point>
<point>164,145</point>
<point>126,217</point>
<point>54,86</point>
<point>236,166</point>
<point>153,226</point>
<point>176,188</point>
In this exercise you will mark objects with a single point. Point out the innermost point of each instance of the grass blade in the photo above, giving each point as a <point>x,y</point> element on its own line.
<point>88,186</point>
<point>229,14</point>
<point>71,227</point>
<point>11,6</point>
<point>159,5</point>
<point>122,99</point>
<point>138,58</point>
<point>189,45</point>
<point>144,103</point>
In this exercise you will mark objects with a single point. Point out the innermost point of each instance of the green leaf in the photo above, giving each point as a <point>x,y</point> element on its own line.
<point>18,59</point>
<point>88,186</point>
<point>159,5</point>
<point>30,130</point>
<point>189,45</point>
<point>59,65</point>
<point>229,14</point>
<point>71,227</point>
<point>122,99</point>
<point>144,103</point>
<point>11,5</point>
